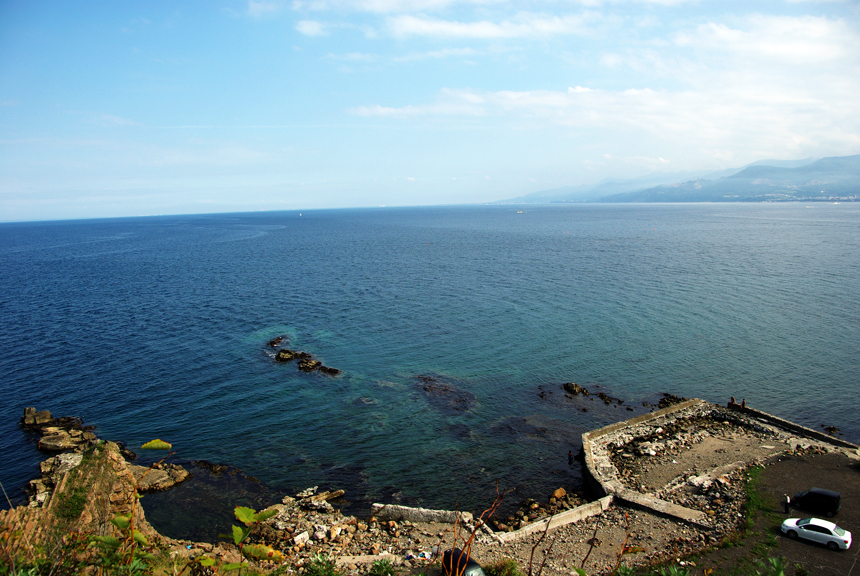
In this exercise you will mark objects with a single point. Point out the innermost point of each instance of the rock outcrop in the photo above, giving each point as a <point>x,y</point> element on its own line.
<point>307,363</point>
<point>158,477</point>
<point>71,439</point>
<point>58,434</point>
<point>89,488</point>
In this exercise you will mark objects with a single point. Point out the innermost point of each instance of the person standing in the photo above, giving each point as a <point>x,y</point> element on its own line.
<point>787,503</point>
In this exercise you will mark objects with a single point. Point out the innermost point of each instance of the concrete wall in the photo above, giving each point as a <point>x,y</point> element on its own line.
<point>603,475</point>
<point>562,519</point>
<point>797,428</point>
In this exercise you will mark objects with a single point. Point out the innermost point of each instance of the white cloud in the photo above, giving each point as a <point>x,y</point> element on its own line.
<point>311,28</point>
<point>413,6</point>
<point>112,120</point>
<point>792,40</point>
<point>353,57</point>
<point>525,25</point>
<point>258,9</point>
<point>384,6</point>
<point>720,119</point>
<point>437,54</point>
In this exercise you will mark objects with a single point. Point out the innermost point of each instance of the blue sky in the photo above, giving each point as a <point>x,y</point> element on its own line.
<point>124,108</point>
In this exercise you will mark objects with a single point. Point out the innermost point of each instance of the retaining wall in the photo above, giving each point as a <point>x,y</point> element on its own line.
<point>603,475</point>
<point>566,517</point>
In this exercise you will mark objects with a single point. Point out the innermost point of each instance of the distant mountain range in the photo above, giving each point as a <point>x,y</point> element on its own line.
<point>810,180</point>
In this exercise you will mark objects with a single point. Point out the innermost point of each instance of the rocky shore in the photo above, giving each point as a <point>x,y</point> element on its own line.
<point>674,482</point>
<point>69,438</point>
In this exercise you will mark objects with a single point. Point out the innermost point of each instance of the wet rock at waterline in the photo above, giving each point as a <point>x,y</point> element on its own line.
<point>307,363</point>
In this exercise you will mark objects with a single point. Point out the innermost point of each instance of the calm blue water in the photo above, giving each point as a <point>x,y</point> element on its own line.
<point>156,327</point>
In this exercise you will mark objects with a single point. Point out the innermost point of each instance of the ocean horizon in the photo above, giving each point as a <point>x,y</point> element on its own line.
<point>454,328</point>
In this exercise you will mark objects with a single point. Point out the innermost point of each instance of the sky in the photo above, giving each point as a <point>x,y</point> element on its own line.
<point>126,108</point>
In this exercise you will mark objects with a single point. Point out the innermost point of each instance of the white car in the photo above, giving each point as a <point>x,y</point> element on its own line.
<point>820,531</point>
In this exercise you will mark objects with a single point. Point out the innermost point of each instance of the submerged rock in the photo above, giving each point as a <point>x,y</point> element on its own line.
<point>445,396</point>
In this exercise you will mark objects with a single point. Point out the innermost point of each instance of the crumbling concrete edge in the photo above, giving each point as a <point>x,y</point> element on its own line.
<point>599,468</point>
<point>603,475</point>
<point>567,517</point>
<point>796,428</point>
<point>366,559</point>
<point>400,513</point>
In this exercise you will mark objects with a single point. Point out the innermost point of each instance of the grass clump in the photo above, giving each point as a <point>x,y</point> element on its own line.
<point>504,567</point>
<point>322,565</point>
<point>382,568</point>
<point>71,505</point>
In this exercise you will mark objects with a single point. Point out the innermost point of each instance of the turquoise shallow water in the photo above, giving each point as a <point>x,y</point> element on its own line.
<point>156,327</point>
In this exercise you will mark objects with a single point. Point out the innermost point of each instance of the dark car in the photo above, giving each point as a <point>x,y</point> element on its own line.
<point>818,501</point>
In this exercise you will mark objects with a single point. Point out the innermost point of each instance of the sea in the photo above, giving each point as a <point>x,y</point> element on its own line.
<point>454,328</point>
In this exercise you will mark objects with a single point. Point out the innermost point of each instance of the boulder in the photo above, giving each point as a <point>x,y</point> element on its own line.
<point>285,355</point>
<point>158,479</point>
<point>36,419</point>
<point>59,441</point>
<point>309,365</point>
<point>575,389</point>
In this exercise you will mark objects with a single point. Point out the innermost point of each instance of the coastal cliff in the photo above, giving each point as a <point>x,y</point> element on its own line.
<point>85,499</point>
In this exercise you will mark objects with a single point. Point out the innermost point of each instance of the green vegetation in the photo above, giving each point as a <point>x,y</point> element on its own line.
<point>70,506</point>
<point>504,567</point>
<point>123,550</point>
<point>382,568</point>
<point>755,503</point>
<point>322,565</point>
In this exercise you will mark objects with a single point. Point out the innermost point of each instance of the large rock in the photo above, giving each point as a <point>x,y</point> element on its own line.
<point>58,440</point>
<point>36,419</point>
<point>575,389</point>
<point>158,479</point>
<point>285,355</point>
<point>309,365</point>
